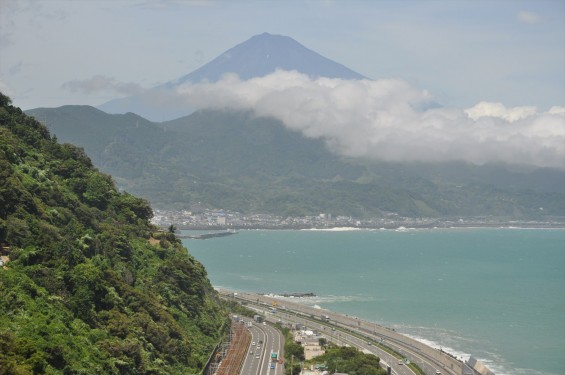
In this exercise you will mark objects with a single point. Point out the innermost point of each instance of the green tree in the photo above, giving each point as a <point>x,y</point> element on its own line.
<point>98,191</point>
<point>83,291</point>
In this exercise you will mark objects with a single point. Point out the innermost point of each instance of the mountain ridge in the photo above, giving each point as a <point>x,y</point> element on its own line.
<point>238,161</point>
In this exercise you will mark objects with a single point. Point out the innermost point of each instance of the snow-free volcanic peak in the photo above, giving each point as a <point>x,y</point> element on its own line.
<point>265,53</point>
<point>258,56</point>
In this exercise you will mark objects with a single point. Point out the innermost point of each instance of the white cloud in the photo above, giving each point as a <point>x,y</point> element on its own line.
<point>486,109</point>
<point>528,17</point>
<point>380,119</point>
<point>555,110</point>
<point>102,83</point>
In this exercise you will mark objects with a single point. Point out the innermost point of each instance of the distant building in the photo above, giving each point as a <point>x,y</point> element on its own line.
<point>4,249</point>
<point>312,351</point>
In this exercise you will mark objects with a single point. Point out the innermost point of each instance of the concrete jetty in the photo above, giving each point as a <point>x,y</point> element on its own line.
<point>206,236</point>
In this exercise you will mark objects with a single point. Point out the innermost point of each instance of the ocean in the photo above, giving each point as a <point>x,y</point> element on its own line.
<point>496,294</point>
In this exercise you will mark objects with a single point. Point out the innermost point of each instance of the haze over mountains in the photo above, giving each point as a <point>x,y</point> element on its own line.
<point>280,129</point>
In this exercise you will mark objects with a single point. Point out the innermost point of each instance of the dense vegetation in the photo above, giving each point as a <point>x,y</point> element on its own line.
<point>238,161</point>
<point>293,352</point>
<point>90,286</point>
<point>350,361</point>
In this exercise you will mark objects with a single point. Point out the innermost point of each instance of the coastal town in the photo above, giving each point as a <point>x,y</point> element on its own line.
<point>208,219</point>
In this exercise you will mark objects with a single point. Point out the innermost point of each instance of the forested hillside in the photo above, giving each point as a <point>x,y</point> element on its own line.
<point>88,285</point>
<point>238,161</point>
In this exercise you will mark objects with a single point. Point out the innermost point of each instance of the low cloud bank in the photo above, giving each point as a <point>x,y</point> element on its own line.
<point>388,119</point>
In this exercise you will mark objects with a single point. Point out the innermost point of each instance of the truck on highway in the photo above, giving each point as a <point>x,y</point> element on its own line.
<point>325,318</point>
<point>274,356</point>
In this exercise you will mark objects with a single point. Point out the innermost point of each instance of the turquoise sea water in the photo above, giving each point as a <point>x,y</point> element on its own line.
<point>496,294</point>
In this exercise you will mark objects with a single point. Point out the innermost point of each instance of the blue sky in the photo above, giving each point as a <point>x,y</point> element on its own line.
<point>461,52</point>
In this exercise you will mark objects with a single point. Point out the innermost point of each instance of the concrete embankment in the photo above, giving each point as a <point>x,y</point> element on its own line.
<point>206,236</point>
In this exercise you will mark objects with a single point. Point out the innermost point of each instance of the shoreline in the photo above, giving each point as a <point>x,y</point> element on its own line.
<point>454,362</point>
<point>400,225</point>
<point>494,353</point>
<point>459,355</point>
<point>560,226</point>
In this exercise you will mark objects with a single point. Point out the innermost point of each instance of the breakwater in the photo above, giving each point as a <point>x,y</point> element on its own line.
<point>206,236</point>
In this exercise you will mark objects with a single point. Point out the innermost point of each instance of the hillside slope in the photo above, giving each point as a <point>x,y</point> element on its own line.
<point>90,286</point>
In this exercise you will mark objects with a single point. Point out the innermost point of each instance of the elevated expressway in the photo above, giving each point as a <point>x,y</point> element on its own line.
<point>359,333</point>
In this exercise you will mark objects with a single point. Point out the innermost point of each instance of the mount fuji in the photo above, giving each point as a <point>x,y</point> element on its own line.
<point>256,57</point>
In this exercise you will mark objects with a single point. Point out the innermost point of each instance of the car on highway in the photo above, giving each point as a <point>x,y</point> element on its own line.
<point>272,365</point>
<point>253,343</point>
<point>400,362</point>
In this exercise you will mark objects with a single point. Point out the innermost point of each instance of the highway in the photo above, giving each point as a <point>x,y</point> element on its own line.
<point>264,340</point>
<point>348,330</point>
<point>338,337</point>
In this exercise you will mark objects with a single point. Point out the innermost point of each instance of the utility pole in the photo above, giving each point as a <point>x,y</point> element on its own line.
<point>336,362</point>
<point>291,361</point>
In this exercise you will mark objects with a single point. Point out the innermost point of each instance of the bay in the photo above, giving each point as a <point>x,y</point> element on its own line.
<point>496,294</point>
